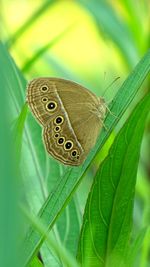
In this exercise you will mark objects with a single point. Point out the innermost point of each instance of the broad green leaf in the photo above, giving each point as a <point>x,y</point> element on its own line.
<point>113,27</point>
<point>69,182</point>
<point>39,172</point>
<point>10,219</point>
<point>32,159</point>
<point>107,220</point>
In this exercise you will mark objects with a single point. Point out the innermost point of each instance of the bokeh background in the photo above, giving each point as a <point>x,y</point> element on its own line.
<point>90,42</point>
<point>76,39</point>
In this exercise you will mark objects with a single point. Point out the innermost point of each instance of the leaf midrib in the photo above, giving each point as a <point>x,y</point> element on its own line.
<point>114,202</point>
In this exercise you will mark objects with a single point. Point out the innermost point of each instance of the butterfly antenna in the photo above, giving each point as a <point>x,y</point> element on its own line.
<point>117,78</point>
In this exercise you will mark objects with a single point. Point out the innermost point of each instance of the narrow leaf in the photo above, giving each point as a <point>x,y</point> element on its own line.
<point>107,220</point>
<point>69,182</point>
<point>35,263</point>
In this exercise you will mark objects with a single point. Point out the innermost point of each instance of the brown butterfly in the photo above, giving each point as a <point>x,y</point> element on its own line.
<point>71,117</point>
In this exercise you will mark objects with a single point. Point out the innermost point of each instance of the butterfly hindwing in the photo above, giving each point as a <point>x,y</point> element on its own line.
<point>61,142</point>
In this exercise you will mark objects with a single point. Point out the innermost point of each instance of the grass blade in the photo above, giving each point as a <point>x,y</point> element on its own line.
<point>66,257</point>
<point>66,186</point>
<point>105,241</point>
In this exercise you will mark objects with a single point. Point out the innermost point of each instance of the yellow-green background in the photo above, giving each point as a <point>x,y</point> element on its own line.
<point>90,42</point>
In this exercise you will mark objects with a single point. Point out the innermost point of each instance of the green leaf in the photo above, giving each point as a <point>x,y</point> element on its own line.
<point>18,131</point>
<point>33,154</point>
<point>39,172</point>
<point>73,176</point>
<point>135,248</point>
<point>107,220</point>
<point>70,219</point>
<point>35,263</point>
<point>66,258</point>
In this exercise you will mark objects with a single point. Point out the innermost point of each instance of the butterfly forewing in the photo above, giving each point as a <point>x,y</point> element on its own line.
<point>40,93</point>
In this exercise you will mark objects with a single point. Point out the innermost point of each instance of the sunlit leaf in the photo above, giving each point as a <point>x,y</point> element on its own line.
<point>66,186</point>
<point>106,229</point>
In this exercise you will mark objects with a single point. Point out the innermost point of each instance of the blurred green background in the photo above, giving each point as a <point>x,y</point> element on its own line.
<point>90,42</point>
<point>94,37</point>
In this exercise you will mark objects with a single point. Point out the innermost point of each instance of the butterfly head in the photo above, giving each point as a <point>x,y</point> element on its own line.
<point>100,109</point>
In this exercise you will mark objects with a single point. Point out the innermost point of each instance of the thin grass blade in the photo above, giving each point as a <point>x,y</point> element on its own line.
<point>69,182</point>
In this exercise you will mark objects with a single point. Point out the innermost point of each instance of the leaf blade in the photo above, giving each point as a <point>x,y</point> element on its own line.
<point>69,182</point>
<point>104,241</point>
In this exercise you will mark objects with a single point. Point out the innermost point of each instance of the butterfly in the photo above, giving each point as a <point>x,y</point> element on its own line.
<point>71,117</point>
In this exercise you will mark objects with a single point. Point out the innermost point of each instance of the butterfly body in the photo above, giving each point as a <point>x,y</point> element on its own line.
<point>71,117</point>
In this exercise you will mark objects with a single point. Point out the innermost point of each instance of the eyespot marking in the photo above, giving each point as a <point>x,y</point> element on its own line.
<point>61,140</point>
<point>57,128</point>
<point>44,88</point>
<point>74,153</point>
<point>59,120</point>
<point>44,99</point>
<point>56,135</point>
<point>68,145</point>
<point>51,105</point>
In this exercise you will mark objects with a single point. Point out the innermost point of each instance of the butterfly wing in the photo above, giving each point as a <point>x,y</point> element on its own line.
<point>62,144</point>
<point>82,107</point>
<point>68,113</point>
<point>40,93</point>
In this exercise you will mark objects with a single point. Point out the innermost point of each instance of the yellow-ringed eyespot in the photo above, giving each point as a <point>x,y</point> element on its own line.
<point>44,99</point>
<point>59,120</point>
<point>74,153</point>
<point>44,88</point>
<point>68,145</point>
<point>51,105</point>
<point>56,135</point>
<point>57,128</point>
<point>61,140</point>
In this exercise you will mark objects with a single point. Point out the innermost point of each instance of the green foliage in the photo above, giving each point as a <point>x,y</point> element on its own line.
<point>107,222</point>
<point>10,218</point>
<point>111,26</point>
<point>78,40</point>
<point>67,184</point>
